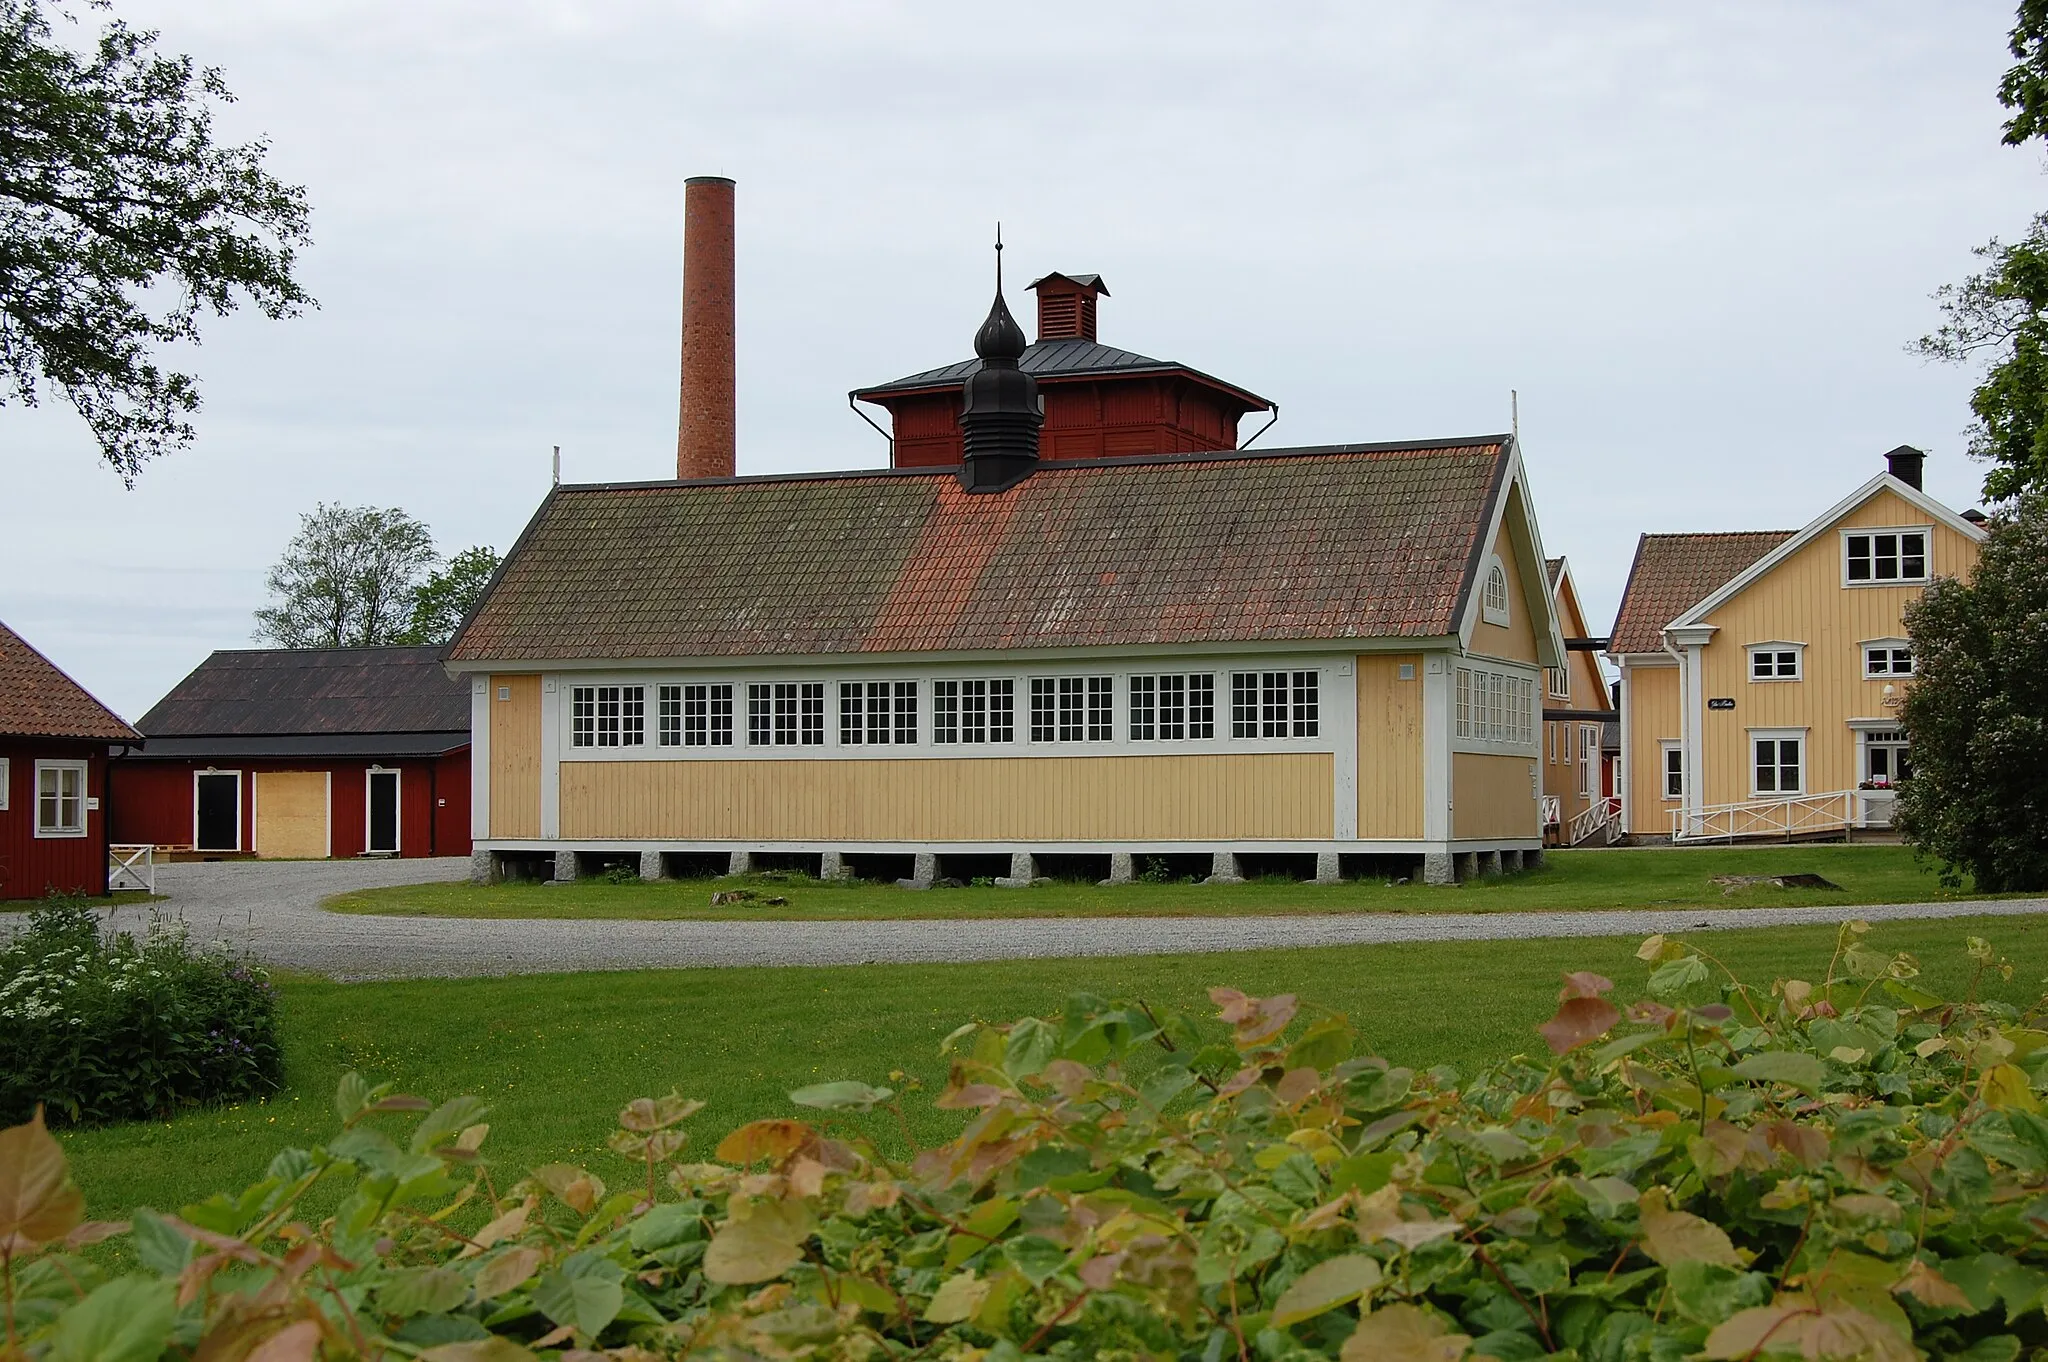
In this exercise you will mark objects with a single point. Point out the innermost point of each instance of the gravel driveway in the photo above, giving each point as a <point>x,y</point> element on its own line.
<point>273,909</point>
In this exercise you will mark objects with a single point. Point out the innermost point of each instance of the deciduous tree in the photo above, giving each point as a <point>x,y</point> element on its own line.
<point>1977,712</point>
<point>121,221</point>
<point>444,599</point>
<point>348,579</point>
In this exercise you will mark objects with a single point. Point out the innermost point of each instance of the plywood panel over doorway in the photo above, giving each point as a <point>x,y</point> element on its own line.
<point>291,814</point>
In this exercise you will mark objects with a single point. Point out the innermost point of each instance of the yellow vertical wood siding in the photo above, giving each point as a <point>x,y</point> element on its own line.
<point>291,814</point>
<point>1803,600</point>
<point>1517,639</point>
<point>515,757</point>
<point>1493,796</point>
<point>1180,798</point>
<point>1652,719</point>
<point>1389,746</point>
<point>1586,689</point>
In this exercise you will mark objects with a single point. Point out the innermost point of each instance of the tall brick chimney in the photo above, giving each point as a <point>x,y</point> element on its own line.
<point>705,439</point>
<point>1066,305</point>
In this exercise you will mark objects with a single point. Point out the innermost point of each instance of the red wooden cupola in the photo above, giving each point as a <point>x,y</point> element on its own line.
<point>1100,401</point>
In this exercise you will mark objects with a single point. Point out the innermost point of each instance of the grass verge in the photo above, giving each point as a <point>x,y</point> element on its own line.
<point>1616,878</point>
<point>557,1055</point>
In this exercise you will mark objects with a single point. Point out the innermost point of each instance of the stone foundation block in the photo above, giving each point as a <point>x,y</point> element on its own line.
<point>1489,863</point>
<point>1329,870</point>
<point>651,867</point>
<point>1534,860</point>
<point>741,863</point>
<point>1510,862</point>
<point>1438,868</point>
<point>566,867</point>
<point>1467,864</point>
<point>484,867</point>
<point>1023,871</point>
<point>924,870</point>
<point>832,866</point>
<point>1121,870</point>
<point>1224,869</point>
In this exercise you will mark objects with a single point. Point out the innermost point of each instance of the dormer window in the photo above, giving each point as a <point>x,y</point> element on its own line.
<point>1493,600</point>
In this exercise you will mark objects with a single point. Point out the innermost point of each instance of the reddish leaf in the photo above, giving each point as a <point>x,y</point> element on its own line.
<point>966,1098</point>
<point>38,1202</point>
<point>294,1343</point>
<point>1585,984</point>
<point>1580,1019</point>
<point>772,1141</point>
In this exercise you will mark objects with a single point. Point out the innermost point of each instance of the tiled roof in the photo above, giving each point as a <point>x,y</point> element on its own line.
<point>271,691</point>
<point>1353,541</point>
<point>1553,568</point>
<point>1674,572</point>
<point>39,701</point>
<point>1073,357</point>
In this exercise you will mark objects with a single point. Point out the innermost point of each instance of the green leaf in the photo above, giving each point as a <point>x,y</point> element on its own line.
<point>1167,1082</point>
<point>846,1095</point>
<point>1029,1048</point>
<point>1675,976</point>
<point>761,1243</point>
<point>128,1319</point>
<point>666,1225</point>
<point>1365,1173</point>
<point>423,1291</point>
<point>351,1095</point>
<point>1379,1089</point>
<point>1327,1285</point>
<point>1791,1067</point>
<point>447,1121</point>
<point>1323,1046</point>
<point>581,1295</point>
<point>1036,1257</point>
<point>158,1247</point>
<point>1710,1293</point>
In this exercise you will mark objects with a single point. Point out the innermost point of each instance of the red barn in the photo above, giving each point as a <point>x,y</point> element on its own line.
<point>303,753</point>
<point>53,777</point>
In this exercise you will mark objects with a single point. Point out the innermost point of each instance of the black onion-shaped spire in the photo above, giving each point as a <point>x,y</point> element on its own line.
<point>1000,411</point>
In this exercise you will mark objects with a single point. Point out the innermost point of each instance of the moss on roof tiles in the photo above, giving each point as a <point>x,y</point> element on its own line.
<point>1352,543</point>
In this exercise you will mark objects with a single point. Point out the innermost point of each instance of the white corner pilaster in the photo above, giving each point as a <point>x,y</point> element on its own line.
<point>1345,766</point>
<point>1436,747</point>
<point>1689,643</point>
<point>551,722</point>
<point>479,757</point>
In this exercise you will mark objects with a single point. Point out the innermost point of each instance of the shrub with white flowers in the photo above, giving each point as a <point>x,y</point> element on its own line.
<point>98,1025</point>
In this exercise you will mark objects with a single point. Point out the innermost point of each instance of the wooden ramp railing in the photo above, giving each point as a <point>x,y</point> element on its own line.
<point>131,866</point>
<point>1785,818</point>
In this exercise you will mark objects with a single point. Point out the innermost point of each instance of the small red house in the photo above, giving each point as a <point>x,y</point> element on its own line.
<point>303,753</point>
<point>53,777</point>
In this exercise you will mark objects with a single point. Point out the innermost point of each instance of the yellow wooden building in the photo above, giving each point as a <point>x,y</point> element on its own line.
<point>1576,711</point>
<point>1330,660</point>
<point>1761,671</point>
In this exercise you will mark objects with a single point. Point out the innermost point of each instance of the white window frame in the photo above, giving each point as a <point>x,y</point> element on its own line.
<point>949,711</point>
<point>1269,704</point>
<point>397,810</point>
<point>1666,750</point>
<point>627,727</point>
<point>1778,735</point>
<point>1494,707</point>
<point>1887,646</point>
<point>873,713</point>
<point>6,781</point>
<point>1872,532</point>
<point>1501,612</point>
<point>1558,681</point>
<point>1894,740</point>
<point>1589,747</point>
<point>59,766</point>
<point>803,732</point>
<point>1777,648</point>
<point>1163,706</point>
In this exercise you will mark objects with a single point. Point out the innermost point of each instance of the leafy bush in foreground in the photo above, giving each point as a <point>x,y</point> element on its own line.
<point>1851,1168</point>
<point>99,1026</point>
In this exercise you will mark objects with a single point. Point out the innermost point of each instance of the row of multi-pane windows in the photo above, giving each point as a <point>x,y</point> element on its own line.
<point>1496,706</point>
<point>1163,707</point>
<point>1786,662</point>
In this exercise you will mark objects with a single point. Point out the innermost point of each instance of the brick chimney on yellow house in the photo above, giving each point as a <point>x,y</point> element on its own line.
<point>705,430</point>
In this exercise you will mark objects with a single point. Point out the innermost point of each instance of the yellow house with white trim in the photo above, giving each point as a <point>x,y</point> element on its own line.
<point>1329,656</point>
<point>1761,671</point>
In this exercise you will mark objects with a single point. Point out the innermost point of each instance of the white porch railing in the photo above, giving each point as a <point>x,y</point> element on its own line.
<point>1835,811</point>
<point>1601,819</point>
<point>1553,811</point>
<point>131,866</point>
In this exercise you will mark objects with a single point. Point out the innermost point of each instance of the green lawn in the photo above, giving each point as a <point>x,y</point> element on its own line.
<point>557,1055</point>
<point>1619,878</point>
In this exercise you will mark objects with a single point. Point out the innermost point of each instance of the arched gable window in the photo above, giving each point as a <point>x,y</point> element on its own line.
<point>1493,600</point>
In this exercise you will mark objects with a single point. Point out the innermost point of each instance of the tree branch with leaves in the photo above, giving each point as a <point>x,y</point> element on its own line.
<point>121,222</point>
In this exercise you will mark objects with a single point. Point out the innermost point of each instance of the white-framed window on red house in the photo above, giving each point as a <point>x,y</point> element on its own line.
<point>60,799</point>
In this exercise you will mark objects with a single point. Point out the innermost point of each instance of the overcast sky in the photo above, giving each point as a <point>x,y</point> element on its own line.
<point>1696,238</point>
